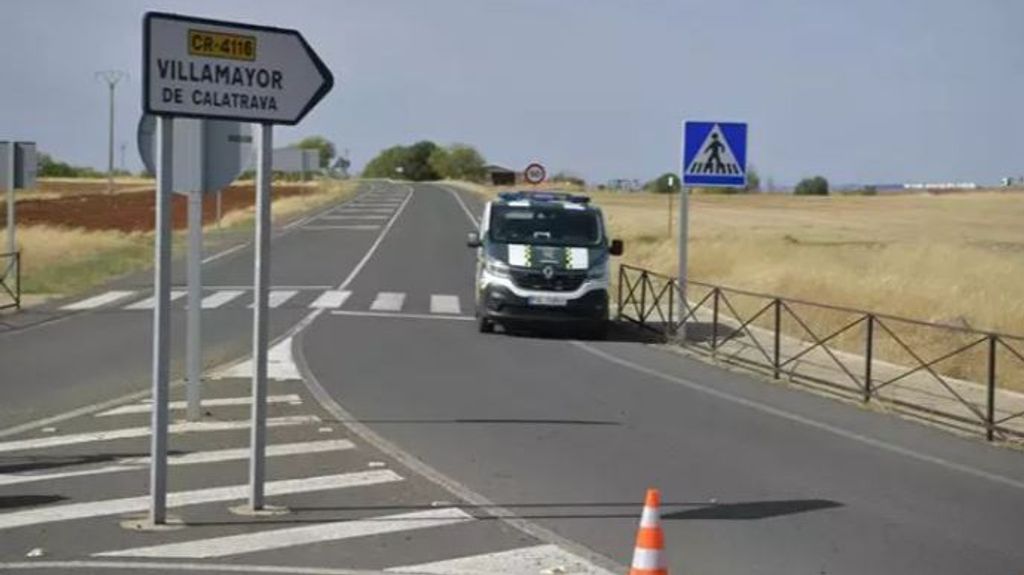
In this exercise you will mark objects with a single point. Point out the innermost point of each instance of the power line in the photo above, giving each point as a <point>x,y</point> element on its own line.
<point>111,77</point>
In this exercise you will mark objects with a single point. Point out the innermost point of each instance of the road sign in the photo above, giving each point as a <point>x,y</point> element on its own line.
<point>535,173</point>
<point>203,68</point>
<point>208,154</point>
<point>715,154</point>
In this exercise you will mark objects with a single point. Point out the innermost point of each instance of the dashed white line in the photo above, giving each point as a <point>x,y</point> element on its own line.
<point>326,228</point>
<point>99,300</point>
<point>278,297</point>
<point>280,538</point>
<point>388,301</point>
<point>56,513</point>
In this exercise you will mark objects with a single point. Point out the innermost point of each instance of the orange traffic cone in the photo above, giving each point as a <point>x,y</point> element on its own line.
<point>648,557</point>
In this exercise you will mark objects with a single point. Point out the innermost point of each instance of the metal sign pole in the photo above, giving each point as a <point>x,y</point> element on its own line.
<point>161,322</point>
<point>259,322</point>
<point>193,354</point>
<point>11,245</point>
<point>684,233</point>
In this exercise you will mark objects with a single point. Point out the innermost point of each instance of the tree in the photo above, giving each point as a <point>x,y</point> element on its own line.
<point>321,144</point>
<point>660,185</point>
<point>404,162</point>
<point>753,180</point>
<point>464,163</point>
<point>816,186</point>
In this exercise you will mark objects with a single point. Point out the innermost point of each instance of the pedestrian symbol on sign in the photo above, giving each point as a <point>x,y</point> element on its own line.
<point>715,156</point>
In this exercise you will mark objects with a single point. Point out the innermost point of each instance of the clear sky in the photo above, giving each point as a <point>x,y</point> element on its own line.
<point>856,90</point>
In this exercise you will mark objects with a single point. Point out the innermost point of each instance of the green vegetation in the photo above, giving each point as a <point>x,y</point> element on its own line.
<point>426,161</point>
<point>661,185</point>
<point>816,186</point>
<point>568,179</point>
<point>51,168</point>
<point>321,144</point>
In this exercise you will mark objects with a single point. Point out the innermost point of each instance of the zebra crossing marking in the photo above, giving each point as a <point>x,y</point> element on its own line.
<point>388,301</point>
<point>331,299</point>
<point>219,298</point>
<point>448,304</point>
<point>71,511</point>
<point>278,298</point>
<point>326,228</point>
<point>132,432</point>
<point>149,302</point>
<point>146,406</point>
<point>546,558</point>
<point>98,300</point>
<point>293,536</point>
<point>214,456</point>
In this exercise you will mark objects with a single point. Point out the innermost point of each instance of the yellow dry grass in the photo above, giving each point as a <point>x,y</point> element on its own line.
<point>955,259</point>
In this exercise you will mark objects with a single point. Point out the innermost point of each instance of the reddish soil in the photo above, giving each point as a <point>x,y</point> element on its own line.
<point>133,212</point>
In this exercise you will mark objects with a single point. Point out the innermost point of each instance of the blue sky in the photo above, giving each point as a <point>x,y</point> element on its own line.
<point>858,91</point>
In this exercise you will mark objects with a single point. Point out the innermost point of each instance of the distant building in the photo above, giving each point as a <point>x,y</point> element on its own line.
<point>292,160</point>
<point>500,175</point>
<point>625,185</point>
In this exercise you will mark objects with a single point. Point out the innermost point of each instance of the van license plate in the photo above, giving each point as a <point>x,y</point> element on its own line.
<point>548,300</point>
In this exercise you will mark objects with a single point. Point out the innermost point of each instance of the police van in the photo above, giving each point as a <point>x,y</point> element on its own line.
<point>543,257</point>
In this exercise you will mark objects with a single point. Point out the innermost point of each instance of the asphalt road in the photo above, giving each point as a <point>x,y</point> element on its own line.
<point>564,434</point>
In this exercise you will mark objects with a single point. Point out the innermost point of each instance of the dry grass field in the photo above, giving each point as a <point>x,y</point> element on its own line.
<point>955,259</point>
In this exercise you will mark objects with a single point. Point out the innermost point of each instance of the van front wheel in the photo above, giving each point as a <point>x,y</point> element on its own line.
<point>485,325</point>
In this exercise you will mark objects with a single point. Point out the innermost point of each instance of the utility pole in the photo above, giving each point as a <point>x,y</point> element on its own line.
<point>111,77</point>
<point>124,146</point>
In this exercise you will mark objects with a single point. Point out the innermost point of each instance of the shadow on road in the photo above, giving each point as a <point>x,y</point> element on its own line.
<point>39,463</point>
<point>695,511</point>
<point>16,501</point>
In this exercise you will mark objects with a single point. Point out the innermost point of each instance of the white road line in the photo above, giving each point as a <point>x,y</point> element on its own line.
<point>388,301</point>
<point>332,299</point>
<point>807,421</point>
<point>403,315</point>
<point>339,217</point>
<point>280,363</point>
<point>150,301</point>
<point>55,513</point>
<point>216,456</point>
<point>361,228</point>
<point>131,432</point>
<point>280,538</point>
<point>99,300</point>
<point>225,253</point>
<point>147,406</point>
<point>536,559</point>
<point>462,204</point>
<point>445,304</point>
<point>220,298</point>
<point>278,297</point>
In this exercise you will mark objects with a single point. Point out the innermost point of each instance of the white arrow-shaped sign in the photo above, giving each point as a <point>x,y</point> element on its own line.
<point>201,68</point>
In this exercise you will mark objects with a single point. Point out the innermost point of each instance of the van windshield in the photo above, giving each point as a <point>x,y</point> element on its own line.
<point>555,226</point>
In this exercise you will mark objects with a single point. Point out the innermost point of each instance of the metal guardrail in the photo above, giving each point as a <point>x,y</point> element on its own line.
<point>10,280</point>
<point>941,371</point>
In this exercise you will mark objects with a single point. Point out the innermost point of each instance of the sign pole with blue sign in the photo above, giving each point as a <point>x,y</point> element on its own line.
<point>714,155</point>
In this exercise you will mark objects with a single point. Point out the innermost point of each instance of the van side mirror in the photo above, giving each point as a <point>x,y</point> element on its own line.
<point>616,248</point>
<point>473,240</point>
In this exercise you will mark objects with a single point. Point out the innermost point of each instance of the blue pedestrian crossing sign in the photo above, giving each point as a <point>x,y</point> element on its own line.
<point>715,154</point>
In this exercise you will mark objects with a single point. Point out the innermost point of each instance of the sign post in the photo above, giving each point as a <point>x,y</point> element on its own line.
<point>11,239</point>
<point>201,68</point>
<point>714,155</point>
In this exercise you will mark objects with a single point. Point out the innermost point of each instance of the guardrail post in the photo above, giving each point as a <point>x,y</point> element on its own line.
<point>17,279</point>
<point>669,325</point>
<point>778,336</point>
<point>622,272</point>
<point>990,422</point>
<point>868,349</point>
<point>643,298</point>
<point>714,320</point>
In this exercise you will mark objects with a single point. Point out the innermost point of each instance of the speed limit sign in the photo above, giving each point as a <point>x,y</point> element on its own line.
<point>535,173</point>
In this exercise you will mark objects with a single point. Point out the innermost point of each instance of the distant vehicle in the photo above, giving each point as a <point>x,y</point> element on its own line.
<point>543,257</point>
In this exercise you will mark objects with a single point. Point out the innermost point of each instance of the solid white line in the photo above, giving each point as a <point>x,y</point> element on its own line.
<point>445,304</point>
<point>335,217</point>
<point>290,537</point>
<point>380,238</point>
<point>796,418</point>
<point>327,228</point>
<point>278,297</point>
<point>130,432</point>
<point>224,253</point>
<point>150,301</point>
<point>146,407</point>
<point>465,209</point>
<point>216,456</point>
<point>537,559</point>
<point>220,298</point>
<point>404,315</point>
<point>388,301</point>
<point>98,300</point>
<point>331,299</point>
<point>55,513</point>
<point>377,211</point>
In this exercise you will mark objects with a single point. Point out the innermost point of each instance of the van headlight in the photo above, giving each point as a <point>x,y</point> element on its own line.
<point>599,271</point>
<point>496,268</point>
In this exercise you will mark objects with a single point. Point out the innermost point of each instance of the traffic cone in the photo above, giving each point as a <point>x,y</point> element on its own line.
<point>648,556</point>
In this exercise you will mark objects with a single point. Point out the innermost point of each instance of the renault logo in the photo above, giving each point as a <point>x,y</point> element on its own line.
<point>549,272</point>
